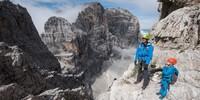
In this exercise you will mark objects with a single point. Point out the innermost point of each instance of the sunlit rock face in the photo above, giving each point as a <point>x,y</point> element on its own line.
<point>187,86</point>
<point>168,6</point>
<point>180,29</point>
<point>57,31</point>
<point>175,36</point>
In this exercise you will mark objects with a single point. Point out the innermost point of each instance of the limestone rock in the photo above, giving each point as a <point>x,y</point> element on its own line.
<point>59,94</point>
<point>94,27</point>
<point>26,65</point>
<point>16,68</point>
<point>123,25</point>
<point>92,15</point>
<point>175,36</point>
<point>57,32</point>
<point>168,6</point>
<point>186,88</point>
<point>16,28</point>
<point>11,92</point>
<point>179,30</point>
<point>88,42</point>
<point>82,47</point>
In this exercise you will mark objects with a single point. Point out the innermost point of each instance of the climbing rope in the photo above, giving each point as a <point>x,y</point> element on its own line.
<point>111,84</point>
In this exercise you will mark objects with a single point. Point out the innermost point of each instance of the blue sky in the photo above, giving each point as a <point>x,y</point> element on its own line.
<point>41,10</point>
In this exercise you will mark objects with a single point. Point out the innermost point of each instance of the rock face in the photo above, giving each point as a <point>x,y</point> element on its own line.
<point>168,6</point>
<point>11,92</point>
<point>28,71</point>
<point>83,46</point>
<point>16,68</point>
<point>175,36</point>
<point>93,24</point>
<point>122,24</point>
<point>57,94</point>
<point>18,29</point>
<point>186,88</point>
<point>97,25</point>
<point>180,29</point>
<point>58,31</point>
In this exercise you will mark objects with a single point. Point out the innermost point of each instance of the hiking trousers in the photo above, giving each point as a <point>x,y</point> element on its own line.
<point>143,73</point>
<point>164,87</point>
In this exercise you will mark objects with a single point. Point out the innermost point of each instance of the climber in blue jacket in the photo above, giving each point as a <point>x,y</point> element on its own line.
<point>142,60</point>
<point>169,76</point>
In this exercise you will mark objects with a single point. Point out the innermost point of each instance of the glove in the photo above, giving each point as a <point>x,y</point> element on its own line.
<point>136,62</point>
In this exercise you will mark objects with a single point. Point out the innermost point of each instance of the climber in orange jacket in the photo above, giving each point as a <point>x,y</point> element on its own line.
<point>169,76</point>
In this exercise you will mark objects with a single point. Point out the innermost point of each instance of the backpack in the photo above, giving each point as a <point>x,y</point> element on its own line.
<point>174,79</point>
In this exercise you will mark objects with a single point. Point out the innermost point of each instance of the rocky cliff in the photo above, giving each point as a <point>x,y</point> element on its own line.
<point>83,46</point>
<point>186,88</point>
<point>58,30</point>
<point>95,20</point>
<point>175,36</point>
<point>94,46</point>
<point>180,29</point>
<point>28,70</point>
<point>168,6</point>
<point>18,29</point>
<point>123,25</point>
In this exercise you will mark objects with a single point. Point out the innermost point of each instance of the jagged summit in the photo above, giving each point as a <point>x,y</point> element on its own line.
<point>121,10</point>
<point>93,4</point>
<point>56,21</point>
<point>93,40</point>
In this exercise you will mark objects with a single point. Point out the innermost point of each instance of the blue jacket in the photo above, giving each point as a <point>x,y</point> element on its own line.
<point>168,72</point>
<point>144,53</point>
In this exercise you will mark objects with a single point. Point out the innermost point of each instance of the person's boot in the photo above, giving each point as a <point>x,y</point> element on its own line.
<point>158,93</point>
<point>136,82</point>
<point>144,87</point>
<point>161,97</point>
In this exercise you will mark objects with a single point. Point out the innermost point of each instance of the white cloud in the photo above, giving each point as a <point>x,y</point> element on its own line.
<point>145,10</point>
<point>40,14</point>
<point>144,5</point>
